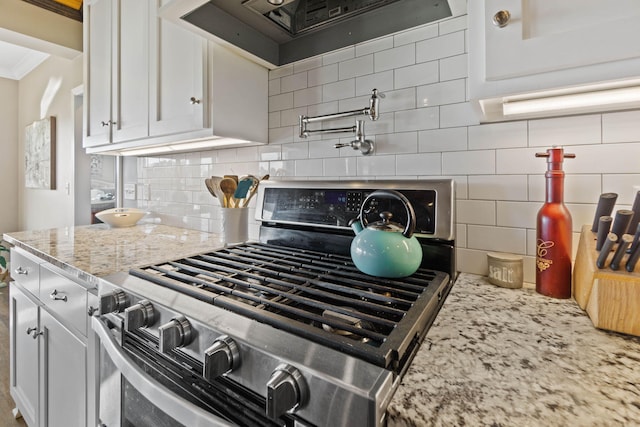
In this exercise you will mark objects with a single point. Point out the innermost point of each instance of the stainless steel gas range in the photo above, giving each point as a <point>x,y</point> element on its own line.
<point>281,331</point>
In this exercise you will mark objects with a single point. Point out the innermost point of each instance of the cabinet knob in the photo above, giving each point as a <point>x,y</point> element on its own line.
<point>286,391</point>
<point>92,310</point>
<point>194,100</point>
<point>34,331</point>
<point>501,18</point>
<point>223,356</point>
<point>21,270</point>
<point>54,296</point>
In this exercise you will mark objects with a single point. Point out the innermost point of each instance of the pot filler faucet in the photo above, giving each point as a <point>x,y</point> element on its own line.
<point>361,142</point>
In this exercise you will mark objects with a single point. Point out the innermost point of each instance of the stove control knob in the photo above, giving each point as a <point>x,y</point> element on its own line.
<point>113,302</point>
<point>175,333</point>
<point>286,391</point>
<point>140,315</point>
<point>223,356</point>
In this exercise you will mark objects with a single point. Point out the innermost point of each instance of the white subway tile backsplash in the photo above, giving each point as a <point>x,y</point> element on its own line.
<point>500,239</point>
<point>296,150</point>
<point>454,67</point>
<point>396,143</point>
<point>373,46</point>
<point>339,90</point>
<point>381,81</point>
<point>624,185</point>
<point>309,167</point>
<point>416,34</point>
<point>426,130</point>
<point>274,87</point>
<point>394,58</point>
<point>309,96</point>
<point>479,212</point>
<point>419,164</point>
<point>458,23</point>
<point>498,135</point>
<point>563,131</point>
<point>457,115</point>
<point>322,75</point>
<point>418,119</point>
<point>293,82</point>
<point>376,165</point>
<point>450,92</point>
<point>517,214</point>
<point>339,55</point>
<point>621,127</point>
<point>450,139</point>
<point>280,102</point>
<point>416,75</point>
<point>498,187</point>
<point>359,66</point>
<point>397,100</point>
<point>340,167</point>
<point>481,162</point>
<point>440,47</point>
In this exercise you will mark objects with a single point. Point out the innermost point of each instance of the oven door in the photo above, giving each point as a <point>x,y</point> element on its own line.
<point>132,396</point>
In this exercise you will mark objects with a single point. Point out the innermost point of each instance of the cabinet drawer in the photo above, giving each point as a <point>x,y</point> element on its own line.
<point>64,297</point>
<point>24,270</point>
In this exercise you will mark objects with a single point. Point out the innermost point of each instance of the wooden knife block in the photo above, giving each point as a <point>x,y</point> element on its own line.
<point>611,298</point>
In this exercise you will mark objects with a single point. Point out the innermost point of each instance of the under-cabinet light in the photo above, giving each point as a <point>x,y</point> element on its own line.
<point>574,102</point>
<point>179,147</point>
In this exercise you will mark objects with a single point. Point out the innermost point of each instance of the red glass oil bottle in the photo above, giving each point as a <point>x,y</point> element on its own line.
<point>553,231</point>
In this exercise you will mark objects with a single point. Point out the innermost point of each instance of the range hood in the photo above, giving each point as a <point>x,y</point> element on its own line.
<point>278,32</point>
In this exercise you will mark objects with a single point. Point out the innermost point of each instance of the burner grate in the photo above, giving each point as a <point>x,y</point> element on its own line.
<point>320,296</point>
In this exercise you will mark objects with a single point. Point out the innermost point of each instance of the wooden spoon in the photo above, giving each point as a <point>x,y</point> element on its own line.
<point>228,187</point>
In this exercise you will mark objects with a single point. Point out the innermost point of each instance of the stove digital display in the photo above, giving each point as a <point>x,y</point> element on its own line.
<point>336,207</point>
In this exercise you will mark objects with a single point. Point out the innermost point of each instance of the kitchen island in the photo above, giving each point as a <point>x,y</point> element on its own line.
<point>494,356</point>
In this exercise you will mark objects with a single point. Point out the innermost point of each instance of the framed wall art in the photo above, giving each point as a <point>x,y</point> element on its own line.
<point>40,154</point>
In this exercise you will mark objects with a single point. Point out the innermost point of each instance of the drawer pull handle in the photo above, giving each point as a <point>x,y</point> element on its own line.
<point>21,270</point>
<point>92,310</point>
<point>34,331</point>
<point>194,100</point>
<point>54,296</point>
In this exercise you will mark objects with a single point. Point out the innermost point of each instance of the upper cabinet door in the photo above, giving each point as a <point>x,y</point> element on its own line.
<point>98,17</point>
<point>177,78</point>
<point>130,92</point>
<point>551,35</point>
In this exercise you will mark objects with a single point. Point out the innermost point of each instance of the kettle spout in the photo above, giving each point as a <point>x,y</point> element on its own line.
<point>356,225</point>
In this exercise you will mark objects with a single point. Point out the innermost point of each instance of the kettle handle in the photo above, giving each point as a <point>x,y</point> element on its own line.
<point>411,214</point>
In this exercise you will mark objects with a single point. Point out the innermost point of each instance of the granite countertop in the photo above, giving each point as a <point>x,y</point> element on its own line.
<point>494,356</point>
<point>94,251</point>
<point>512,357</point>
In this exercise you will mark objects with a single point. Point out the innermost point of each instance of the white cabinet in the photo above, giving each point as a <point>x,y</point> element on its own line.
<point>549,44</point>
<point>23,337</point>
<point>63,375</point>
<point>116,68</point>
<point>48,337</point>
<point>169,85</point>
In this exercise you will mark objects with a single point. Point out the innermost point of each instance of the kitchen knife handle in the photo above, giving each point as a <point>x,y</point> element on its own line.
<point>621,222</point>
<point>635,220</point>
<point>604,227</point>
<point>622,249</point>
<point>601,262</point>
<point>605,208</point>
<point>633,259</point>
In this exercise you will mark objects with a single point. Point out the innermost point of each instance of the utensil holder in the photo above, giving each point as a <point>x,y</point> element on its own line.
<point>610,298</point>
<point>235,225</point>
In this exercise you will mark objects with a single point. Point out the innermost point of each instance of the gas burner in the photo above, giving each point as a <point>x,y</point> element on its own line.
<point>337,318</point>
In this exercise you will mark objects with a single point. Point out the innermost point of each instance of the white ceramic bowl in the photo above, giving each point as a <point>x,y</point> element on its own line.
<point>121,217</point>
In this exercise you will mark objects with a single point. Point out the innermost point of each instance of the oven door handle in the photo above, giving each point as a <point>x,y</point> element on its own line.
<point>178,408</point>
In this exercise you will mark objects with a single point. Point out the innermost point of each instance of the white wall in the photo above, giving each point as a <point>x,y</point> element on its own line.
<point>44,92</point>
<point>8,155</point>
<point>427,129</point>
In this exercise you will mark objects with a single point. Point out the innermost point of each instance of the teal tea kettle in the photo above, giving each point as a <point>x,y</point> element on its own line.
<point>384,248</point>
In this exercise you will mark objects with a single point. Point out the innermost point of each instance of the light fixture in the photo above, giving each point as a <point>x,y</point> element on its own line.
<point>275,2</point>
<point>577,100</point>
<point>179,147</point>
